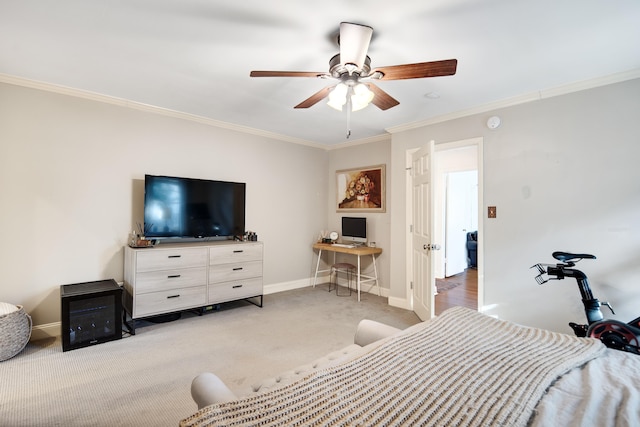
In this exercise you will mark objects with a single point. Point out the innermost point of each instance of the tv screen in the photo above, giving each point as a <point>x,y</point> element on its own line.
<point>193,208</point>
<point>354,229</point>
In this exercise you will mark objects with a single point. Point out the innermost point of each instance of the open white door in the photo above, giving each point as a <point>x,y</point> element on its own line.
<point>423,225</point>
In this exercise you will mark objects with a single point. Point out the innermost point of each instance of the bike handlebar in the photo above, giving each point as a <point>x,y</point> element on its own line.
<point>563,269</point>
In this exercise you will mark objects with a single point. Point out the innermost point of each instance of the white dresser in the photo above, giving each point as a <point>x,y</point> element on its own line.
<point>173,277</point>
<point>235,272</point>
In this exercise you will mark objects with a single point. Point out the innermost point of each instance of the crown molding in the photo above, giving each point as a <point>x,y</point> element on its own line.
<point>93,96</point>
<point>533,96</point>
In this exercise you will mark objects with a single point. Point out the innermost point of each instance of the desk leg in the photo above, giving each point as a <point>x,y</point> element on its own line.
<point>317,267</point>
<point>358,279</point>
<point>375,272</point>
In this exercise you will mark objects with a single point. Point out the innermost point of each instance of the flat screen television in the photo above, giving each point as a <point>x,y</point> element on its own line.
<point>187,208</point>
<point>354,229</point>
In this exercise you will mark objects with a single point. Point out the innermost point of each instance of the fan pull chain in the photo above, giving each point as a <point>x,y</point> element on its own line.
<point>348,107</point>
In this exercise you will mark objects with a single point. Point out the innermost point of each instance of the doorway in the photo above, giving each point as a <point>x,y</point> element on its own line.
<point>458,218</point>
<point>455,211</point>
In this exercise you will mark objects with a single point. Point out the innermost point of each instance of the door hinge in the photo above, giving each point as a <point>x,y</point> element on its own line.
<point>410,228</point>
<point>411,285</point>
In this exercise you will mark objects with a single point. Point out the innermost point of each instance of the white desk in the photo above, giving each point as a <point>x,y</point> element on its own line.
<point>358,251</point>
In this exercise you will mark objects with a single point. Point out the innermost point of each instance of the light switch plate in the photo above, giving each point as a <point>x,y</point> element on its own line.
<point>491,212</point>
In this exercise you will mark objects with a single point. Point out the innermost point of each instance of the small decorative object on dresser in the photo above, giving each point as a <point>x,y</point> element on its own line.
<point>175,277</point>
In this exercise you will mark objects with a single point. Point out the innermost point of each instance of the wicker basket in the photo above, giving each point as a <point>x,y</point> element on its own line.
<point>15,331</point>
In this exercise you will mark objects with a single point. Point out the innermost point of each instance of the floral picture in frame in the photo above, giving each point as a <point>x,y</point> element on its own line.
<point>361,189</point>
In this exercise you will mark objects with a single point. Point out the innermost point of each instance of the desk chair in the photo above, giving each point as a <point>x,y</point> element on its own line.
<point>344,267</point>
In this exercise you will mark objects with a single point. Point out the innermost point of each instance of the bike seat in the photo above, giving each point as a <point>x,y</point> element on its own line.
<point>567,256</point>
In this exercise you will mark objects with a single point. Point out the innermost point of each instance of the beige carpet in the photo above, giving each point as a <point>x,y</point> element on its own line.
<point>144,380</point>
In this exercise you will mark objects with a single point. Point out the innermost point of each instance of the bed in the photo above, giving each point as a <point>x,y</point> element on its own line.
<point>460,368</point>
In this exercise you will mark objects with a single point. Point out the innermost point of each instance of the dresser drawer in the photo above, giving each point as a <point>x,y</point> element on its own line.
<point>152,281</point>
<point>166,259</point>
<point>234,271</point>
<point>237,289</point>
<point>240,252</point>
<point>170,300</point>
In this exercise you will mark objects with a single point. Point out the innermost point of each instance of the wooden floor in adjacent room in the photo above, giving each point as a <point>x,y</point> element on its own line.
<point>458,290</point>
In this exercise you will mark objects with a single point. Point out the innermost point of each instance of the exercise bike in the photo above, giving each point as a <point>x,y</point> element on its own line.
<point>614,334</point>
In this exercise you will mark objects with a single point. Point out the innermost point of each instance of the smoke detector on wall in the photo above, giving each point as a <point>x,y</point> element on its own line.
<point>493,122</point>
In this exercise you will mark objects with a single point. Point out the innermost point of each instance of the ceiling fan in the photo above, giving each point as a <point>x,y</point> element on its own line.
<point>352,69</point>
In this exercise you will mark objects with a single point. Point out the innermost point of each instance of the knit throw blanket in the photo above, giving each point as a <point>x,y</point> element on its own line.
<point>461,368</point>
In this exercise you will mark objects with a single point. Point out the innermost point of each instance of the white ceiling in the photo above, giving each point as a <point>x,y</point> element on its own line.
<point>194,56</point>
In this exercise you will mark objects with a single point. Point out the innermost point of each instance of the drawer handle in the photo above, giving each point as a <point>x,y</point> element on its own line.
<point>173,296</point>
<point>237,268</point>
<point>238,251</point>
<point>237,286</point>
<point>174,256</point>
<point>173,276</point>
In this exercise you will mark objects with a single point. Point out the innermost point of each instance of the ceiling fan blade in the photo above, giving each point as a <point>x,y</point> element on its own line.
<point>382,99</point>
<point>288,74</point>
<point>354,43</point>
<point>315,98</point>
<point>417,71</point>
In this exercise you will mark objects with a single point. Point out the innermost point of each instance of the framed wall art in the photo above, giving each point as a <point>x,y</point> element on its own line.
<point>361,189</point>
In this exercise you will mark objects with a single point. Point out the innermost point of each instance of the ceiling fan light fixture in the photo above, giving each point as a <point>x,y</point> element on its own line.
<point>361,97</point>
<point>355,96</point>
<point>338,96</point>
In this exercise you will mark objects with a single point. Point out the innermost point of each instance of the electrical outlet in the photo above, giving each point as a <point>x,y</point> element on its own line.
<point>491,212</point>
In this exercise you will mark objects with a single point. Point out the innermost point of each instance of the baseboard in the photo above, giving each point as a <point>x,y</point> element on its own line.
<point>400,303</point>
<point>295,284</point>
<point>302,283</point>
<point>48,330</point>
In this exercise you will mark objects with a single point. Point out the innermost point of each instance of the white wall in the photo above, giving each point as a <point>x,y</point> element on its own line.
<point>356,156</point>
<point>563,173</point>
<point>71,188</point>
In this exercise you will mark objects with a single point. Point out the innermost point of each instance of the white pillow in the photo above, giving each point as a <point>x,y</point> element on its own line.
<point>6,308</point>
